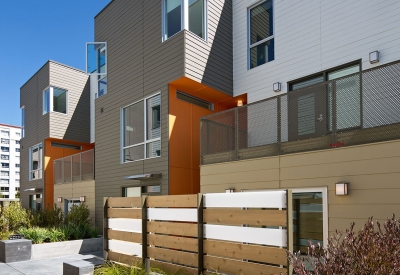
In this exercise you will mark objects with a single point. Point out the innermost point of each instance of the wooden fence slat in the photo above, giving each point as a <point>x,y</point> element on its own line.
<point>250,217</point>
<point>182,243</point>
<point>124,259</point>
<point>124,236</point>
<point>271,255</point>
<point>173,269</point>
<point>172,256</point>
<point>125,202</point>
<point>128,213</point>
<point>173,228</point>
<point>172,201</point>
<point>222,265</point>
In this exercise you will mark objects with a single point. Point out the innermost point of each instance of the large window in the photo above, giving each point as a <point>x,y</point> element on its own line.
<point>141,133</point>
<point>5,165</point>
<point>184,14</point>
<point>4,173</point>
<point>5,149</point>
<point>261,37</point>
<point>5,133</point>
<point>5,157</point>
<point>96,64</point>
<point>55,100</point>
<point>23,121</point>
<point>5,141</point>
<point>35,162</point>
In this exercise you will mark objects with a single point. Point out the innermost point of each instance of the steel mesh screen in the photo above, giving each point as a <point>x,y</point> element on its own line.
<point>58,171</point>
<point>87,158</point>
<point>67,169</point>
<point>76,167</point>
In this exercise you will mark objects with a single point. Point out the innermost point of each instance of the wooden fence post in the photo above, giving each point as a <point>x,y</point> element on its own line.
<point>144,234</point>
<point>289,211</point>
<point>200,235</point>
<point>105,229</point>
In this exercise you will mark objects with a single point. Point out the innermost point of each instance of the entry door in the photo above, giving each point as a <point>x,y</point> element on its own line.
<point>308,112</point>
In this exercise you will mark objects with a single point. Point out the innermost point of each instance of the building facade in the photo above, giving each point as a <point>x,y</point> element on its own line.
<point>322,80</point>
<point>10,161</point>
<point>55,105</point>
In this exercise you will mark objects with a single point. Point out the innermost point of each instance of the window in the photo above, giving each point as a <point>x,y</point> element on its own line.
<point>35,162</point>
<point>6,181</point>
<point>23,121</point>
<point>5,133</point>
<point>17,142</point>
<point>17,181</point>
<point>17,189</point>
<point>17,165</point>
<point>17,150</point>
<point>17,158</point>
<point>55,100</point>
<point>261,37</point>
<point>5,141</point>
<point>194,100</point>
<point>5,149</point>
<point>96,64</point>
<point>175,13</point>
<point>4,173</point>
<point>17,173</point>
<point>131,192</point>
<point>5,157</point>
<point>141,133</point>
<point>5,165</point>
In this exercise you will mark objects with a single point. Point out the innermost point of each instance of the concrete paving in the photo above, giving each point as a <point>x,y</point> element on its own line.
<point>49,266</point>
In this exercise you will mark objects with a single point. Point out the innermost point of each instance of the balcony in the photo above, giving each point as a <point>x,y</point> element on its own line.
<point>74,168</point>
<point>356,109</point>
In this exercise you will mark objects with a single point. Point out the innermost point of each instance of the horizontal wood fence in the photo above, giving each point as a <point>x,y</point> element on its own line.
<point>230,233</point>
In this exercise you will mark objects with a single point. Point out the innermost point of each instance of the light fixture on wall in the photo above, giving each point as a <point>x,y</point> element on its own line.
<point>60,199</point>
<point>342,188</point>
<point>230,190</point>
<point>374,57</point>
<point>82,198</point>
<point>277,87</point>
<point>240,103</point>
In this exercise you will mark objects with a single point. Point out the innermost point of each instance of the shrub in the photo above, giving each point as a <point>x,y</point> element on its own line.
<point>79,214</point>
<point>367,252</point>
<point>52,217</point>
<point>35,234</point>
<point>13,217</point>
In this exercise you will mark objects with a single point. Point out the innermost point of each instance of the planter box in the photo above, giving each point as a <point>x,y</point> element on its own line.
<point>47,250</point>
<point>15,251</point>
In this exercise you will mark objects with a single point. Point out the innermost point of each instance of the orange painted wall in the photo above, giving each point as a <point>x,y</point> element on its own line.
<point>52,153</point>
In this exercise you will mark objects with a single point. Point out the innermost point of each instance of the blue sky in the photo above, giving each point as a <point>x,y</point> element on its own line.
<point>34,31</point>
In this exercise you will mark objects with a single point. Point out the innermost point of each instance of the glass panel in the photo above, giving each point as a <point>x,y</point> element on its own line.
<point>196,17</point>
<point>262,53</point>
<point>153,117</point>
<point>132,192</point>
<point>46,101</point>
<point>96,58</point>
<point>343,72</point>
<point>153,149</point>
<point>102,86</point>
<point>348,102</point>
<point>102,61</point>
<point>306,115</point>
<point>261,19</point>
<point>307,82</point>
<point>22,121</point>
<point>134,153</point>
<point>173,18</point>
<point>307,220</point>
<point>59,100</point>
<point>134,124</point>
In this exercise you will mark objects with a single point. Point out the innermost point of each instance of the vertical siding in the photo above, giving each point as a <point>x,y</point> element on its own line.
<point>75,125</point>
<point>311,36</point>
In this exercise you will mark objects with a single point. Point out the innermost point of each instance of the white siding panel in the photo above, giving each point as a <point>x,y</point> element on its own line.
<point>271,199</point>
<point>170,214</point>
<point>126,248</point>
<point>128,225</point>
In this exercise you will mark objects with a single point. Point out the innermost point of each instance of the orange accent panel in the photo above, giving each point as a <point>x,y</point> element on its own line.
<point>52,153</point>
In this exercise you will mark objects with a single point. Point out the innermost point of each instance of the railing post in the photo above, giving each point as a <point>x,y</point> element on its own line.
<point>334,114</point>
<point>289,229</point>
<point>200,234</point>
<point>105,229</point>
<point>236,135</point>
<point>145,261</point>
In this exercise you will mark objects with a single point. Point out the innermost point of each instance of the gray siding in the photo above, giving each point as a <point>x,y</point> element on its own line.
<point>139,65</point>
<point>36,126</point>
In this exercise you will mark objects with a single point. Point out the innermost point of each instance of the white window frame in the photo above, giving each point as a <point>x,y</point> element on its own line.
<point>249,45</point>
<point>6,132</point>
<point>50,88</point>
<point>97,59</point>
<point>23,121</point>
<point>144,101</point>
<point>40,161</point>
<point>325,216</point>
<point>184,20</point>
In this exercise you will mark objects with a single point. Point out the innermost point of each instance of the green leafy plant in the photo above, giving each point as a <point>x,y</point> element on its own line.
<point>13,217</point>
<point>36,234</point>
<point>78,214</point>
<point>111,268</point>
<point>369,251</point>
<point>52,217</point>
<point>56,235</point>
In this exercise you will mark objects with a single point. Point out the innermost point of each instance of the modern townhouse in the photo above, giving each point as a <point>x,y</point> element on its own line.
<point>56,154</point>
<point>323,85</point>
<point>10,160</point>
<point>156,68</point>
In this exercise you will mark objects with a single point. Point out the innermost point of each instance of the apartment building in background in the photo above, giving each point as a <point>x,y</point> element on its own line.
<point>323,115</point>
<point>10,136</point>
<point>56,154</point>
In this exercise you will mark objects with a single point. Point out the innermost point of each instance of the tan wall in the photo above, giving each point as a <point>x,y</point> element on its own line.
<point>373,173</point>
<point>73,191</point>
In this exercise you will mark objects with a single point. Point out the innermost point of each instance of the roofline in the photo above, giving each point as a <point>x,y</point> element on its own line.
<point>103,9</point>
<point>55,62</point>
<point>9,125</point>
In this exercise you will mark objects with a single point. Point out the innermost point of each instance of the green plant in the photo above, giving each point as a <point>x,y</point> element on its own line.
<point>13,217</point>
<point>35,234</point>
<point>5,235</point>
<point>78,214</point>
<point>365,252</point>
<point>52,217</point>
<point>56,235</point>
<point>111,268</point>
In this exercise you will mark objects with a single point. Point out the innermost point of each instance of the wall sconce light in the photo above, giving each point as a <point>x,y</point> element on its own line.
<point>60,199</point>
<point>374,57</point>
<point>342,188</point>
<point>82,198</point>
<point>230,190</point>
<point>239,103</point>
<point>277,87</point>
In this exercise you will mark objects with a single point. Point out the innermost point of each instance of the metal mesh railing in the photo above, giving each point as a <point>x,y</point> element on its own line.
<point>78,167</point>
<point>355,109</point>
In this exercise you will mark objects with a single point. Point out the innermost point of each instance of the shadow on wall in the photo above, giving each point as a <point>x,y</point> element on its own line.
<point>79,127</point>
<point>218,72</point>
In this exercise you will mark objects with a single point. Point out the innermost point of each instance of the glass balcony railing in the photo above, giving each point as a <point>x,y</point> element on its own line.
<point>355,109</point>
<point>78,167</point>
